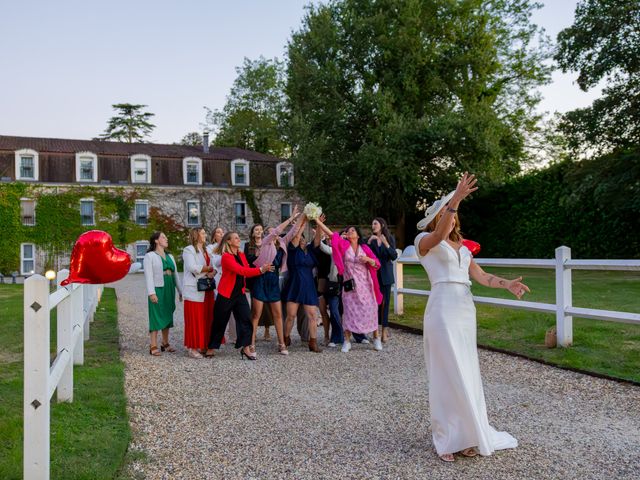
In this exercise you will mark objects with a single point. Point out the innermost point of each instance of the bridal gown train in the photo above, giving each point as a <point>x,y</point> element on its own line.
<point>456,397</point>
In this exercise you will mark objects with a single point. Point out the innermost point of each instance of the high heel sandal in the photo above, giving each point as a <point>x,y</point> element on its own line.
<point>469,452</point>
<point>282,349</point>
<point>167,347</point>
<point>447,457</point>
<point>244,354</point>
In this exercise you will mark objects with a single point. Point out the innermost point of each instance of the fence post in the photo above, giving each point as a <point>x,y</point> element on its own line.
<point>77,307</point>
<point>36,378</point>
<point>564,298</point>
<point>86,310</point>
<point>398,298</point>
<point>65,341</point>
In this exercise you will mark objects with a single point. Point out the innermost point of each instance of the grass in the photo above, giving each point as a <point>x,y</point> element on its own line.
<point>89,437</point>
<point>598,346</point>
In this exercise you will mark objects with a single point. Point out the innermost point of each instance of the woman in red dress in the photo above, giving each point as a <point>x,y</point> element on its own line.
<point>198,306</point>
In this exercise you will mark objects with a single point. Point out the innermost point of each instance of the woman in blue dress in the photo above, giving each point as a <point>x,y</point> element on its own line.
<point>300,288</point>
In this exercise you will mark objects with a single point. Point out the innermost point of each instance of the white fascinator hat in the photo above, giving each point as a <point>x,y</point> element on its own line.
<point>432,211</point>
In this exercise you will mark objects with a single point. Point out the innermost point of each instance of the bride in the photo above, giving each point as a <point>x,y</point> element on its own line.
<point>459,420</point>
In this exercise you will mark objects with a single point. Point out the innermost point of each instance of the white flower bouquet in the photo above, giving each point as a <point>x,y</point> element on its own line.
<point>312,210</point>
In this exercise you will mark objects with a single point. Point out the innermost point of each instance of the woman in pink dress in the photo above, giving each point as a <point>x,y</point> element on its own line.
<point>361,293</point>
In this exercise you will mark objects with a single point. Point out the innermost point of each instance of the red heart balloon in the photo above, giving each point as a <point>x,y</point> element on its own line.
<point>474,247</point>
<point>94,259</point>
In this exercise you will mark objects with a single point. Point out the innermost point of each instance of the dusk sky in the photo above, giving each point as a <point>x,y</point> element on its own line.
<point>66,62</point>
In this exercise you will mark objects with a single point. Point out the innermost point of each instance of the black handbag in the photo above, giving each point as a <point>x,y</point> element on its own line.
<point>206,284</point>
<point>333,289</point>
<point>349,285</point>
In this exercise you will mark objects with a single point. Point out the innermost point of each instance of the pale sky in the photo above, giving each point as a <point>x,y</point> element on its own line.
<point>66,61</point>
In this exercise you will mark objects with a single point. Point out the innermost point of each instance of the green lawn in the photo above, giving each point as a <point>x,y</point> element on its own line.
<point>598,346</point>
<point>89,437</point>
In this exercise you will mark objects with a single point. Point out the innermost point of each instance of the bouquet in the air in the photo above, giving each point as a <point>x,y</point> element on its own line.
<point>312,210</point>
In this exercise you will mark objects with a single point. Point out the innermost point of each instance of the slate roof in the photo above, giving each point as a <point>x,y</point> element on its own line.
<point>63,145</point>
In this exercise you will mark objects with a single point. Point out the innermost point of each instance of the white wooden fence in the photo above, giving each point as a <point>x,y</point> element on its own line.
<point>563,309</point>
<point>76,305</point>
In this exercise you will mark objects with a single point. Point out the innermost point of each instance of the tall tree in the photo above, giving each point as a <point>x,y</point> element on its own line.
<point>253,115</point>
<point>130,124</point>
<point>389,101</point>
<point>604,44</point>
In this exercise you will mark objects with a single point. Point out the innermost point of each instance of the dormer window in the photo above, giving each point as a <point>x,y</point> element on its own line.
<point>86,167</point>
<point>140,169</point>
<point>284,173</point>
<point>240,172</point>
<point>192,171</point>
<point>26,164</point>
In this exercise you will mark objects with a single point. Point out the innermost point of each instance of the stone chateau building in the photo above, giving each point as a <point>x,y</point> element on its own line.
<point>195,186</point>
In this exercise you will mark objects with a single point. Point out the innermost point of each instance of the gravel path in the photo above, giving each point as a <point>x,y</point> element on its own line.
<point>357,416</point>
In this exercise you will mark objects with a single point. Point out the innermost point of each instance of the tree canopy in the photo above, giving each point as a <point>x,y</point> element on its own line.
<point>604,44</point>
<point>130,124</point>
<point>389,101</point>
<point>252,117</point>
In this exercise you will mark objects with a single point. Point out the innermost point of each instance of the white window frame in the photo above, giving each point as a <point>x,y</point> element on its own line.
<point>187,160</point>
<point>35,204</point>
<point>189,222</point>
<point>235,216</point>
<point>36,162</point>
<point>279,167</point>
<point>94,159</point>
<point>135,210</point>
<point>138,258</point>
<point>22,259</point>
<point>93,222</point>
<point>146,158</point>
<point>290,210</point>
<point>245,163</point>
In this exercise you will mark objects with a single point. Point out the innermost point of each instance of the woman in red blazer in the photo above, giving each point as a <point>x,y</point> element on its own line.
<point>231,297</point>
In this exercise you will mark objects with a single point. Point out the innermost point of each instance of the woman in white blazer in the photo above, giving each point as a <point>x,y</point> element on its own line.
<point>198,306</point>
<point>161,278</point>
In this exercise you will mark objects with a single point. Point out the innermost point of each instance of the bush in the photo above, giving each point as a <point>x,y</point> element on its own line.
<point>592,206</point>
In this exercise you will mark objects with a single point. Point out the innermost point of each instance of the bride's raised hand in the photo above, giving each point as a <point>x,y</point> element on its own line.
<point>466,186</point>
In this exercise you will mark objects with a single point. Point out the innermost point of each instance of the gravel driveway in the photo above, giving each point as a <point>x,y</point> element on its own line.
<point>358,415</point>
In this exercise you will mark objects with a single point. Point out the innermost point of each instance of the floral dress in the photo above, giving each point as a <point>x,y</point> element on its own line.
<point>360,305</point>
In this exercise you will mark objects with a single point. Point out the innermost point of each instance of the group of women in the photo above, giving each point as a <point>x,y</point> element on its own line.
<point>353,282</point>
<point>341,275</point>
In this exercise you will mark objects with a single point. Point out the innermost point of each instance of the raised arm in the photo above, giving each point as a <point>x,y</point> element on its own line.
<point>465,187</point>
<point>295,241</point>
<point>317,239</point>
<point>515,286</point>
<point>229,264</point>
<point>323,227</point>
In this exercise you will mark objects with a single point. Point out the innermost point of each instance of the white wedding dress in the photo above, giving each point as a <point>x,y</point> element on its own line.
<point>456,398</point>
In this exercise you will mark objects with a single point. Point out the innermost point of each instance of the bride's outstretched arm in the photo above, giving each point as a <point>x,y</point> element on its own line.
<point>515,286</point>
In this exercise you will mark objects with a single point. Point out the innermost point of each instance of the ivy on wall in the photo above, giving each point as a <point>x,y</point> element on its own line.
<point>249,196</point>
<point>58,221</point>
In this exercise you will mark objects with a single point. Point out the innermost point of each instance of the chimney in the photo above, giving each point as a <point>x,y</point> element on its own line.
<point>205,141</point>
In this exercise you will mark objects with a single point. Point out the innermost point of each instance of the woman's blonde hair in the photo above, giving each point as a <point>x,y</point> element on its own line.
<point>224,247</point>
<point>456,233</point>
<point>194,235</point>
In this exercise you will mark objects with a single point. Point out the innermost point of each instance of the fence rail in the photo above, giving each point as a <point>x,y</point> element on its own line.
<point>563,265</point>
<point>76,305</point>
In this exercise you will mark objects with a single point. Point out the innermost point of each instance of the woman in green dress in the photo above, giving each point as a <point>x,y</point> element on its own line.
<point>161,278</point>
